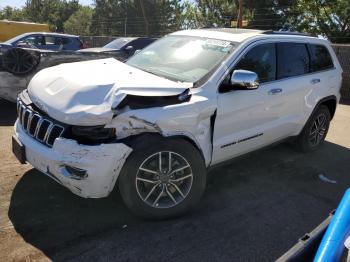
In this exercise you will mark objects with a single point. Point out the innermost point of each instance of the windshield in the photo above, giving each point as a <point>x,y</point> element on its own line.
<point>182,58</point>
<point>118,43</point>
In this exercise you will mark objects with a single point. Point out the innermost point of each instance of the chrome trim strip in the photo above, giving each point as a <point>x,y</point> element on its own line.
<point>41,120</point>
<point>48,132</point>
<point>29,118</point>
<point>37,136</point>
<point>22,110</point>
<point>34,115</point>
<point>62,130</point>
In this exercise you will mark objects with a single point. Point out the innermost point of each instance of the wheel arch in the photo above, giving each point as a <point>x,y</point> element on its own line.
<point>331,103</point>
<point>137,141</point>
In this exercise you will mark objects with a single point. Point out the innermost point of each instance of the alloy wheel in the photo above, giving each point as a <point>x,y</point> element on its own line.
<point>318,130</point>
<point>164,179</point>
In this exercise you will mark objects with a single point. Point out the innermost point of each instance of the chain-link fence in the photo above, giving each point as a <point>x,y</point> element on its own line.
<point>96,41</point>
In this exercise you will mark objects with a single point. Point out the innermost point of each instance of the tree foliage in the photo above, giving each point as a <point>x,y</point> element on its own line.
<point>217,13</point>
<point>79,23</point>
<point>269,14</point>
<point>53,12</point>
<point>14,14</point>
<point>329,18</point>
<point>136,17</point>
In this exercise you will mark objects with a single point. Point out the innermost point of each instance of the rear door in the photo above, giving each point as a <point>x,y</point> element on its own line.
<point>296,82</point>
<point>324,74</point>
<point>51,43</point>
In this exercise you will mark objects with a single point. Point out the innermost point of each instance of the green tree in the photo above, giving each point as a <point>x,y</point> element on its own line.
<point>136,17</point>
<point>53,12</point>
<point>79,23</point>
<point>330,18</point>
<point>269,14</point>
<point>14,14</point>
<point>215,13</point>
<point>190,17</point>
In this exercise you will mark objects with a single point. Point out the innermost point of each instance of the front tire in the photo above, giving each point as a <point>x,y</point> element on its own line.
<point>162,178</point>
<point>315,130</point>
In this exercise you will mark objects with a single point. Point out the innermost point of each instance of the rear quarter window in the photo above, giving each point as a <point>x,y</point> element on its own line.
<point>293,60</point>
<point>65,40</point>
<point>320,58</point>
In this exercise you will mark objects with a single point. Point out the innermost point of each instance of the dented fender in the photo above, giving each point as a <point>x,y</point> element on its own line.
<point>191,119</point>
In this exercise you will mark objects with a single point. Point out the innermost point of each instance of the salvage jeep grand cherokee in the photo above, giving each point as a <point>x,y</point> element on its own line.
<point>193,99</point>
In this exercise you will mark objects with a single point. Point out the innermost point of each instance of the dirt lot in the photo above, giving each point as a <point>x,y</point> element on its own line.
<point>254,208</point>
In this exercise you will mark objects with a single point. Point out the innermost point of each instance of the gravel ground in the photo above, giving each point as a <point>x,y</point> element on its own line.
<point>254,209</point>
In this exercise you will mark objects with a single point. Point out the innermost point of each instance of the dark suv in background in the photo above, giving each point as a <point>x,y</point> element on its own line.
<point>122,48</point>
<point>47,41</point>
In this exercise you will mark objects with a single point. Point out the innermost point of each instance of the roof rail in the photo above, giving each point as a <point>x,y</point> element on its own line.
<point>271,32</point>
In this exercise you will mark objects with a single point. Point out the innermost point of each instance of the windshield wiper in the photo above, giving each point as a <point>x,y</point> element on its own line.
<point>166,74</point>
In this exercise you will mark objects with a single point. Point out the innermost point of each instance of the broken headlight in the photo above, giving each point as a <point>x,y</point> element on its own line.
<point>93,133</point>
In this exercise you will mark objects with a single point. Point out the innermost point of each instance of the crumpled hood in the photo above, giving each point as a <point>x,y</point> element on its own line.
<point>83,93</point>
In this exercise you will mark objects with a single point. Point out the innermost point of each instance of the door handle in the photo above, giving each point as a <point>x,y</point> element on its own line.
<point>275,91</point>
<point>315,81</point>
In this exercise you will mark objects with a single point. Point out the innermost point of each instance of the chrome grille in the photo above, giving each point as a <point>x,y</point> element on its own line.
<point>42,129</point>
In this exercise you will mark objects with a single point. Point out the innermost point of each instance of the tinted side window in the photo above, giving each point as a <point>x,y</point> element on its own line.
<point>261,60</point>
<point>65,40</point>
<point>34,40</point>
<point>50,40</point>
<point>293,59</point>
<point>320,58</point>
<point>139,43</point>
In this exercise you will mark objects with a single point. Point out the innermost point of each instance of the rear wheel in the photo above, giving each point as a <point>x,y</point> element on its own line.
<point>19,61</point>
<point>315,131</point>
<point>162,179</point>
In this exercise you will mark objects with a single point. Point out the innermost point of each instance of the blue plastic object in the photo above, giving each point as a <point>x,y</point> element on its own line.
<point>332,244</point>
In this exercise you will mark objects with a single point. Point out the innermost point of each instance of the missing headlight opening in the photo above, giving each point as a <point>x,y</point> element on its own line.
<point>93,134</point>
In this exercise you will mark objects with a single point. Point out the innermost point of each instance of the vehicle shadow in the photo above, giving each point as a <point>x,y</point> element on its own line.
<point>8,113</point>
<point>254,209</point>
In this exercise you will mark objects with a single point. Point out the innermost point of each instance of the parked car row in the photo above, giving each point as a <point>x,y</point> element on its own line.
<point>46,41</point>
<point>123,47</point>
<point>21,54</point>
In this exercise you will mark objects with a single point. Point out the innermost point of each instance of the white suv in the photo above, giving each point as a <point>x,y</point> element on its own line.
<point>193,99</point>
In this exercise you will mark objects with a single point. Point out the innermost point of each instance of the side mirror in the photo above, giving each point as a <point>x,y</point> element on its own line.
<point>129,49</point>
<point>244,80</point>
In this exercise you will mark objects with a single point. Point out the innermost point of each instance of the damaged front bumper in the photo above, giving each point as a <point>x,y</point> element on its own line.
<point>88,171</point>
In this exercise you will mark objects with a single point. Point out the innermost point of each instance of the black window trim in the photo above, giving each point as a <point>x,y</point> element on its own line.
<point>308,54</point>
<point>263,41</point>
<point>242,54</point>
<point>322,70</point>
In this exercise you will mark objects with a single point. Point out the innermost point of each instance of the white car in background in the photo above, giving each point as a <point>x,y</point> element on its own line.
<point>191,100</point>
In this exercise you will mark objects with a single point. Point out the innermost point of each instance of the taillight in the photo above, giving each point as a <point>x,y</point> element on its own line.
<point>82,45</point>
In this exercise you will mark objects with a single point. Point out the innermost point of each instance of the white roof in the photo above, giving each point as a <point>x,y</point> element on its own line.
<point>230,34</point>
<point>240,35</point>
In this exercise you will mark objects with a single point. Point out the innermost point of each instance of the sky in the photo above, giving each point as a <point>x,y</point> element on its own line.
<point>19,3</point>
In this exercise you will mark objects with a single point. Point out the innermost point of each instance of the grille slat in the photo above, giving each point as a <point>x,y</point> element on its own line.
<point>42,129</point>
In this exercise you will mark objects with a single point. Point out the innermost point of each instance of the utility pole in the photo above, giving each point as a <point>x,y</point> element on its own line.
<point>144,17</point>
<point>240,14</point>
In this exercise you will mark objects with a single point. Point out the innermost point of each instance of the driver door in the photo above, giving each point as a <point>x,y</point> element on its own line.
<point>245,118</point>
